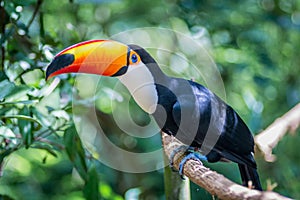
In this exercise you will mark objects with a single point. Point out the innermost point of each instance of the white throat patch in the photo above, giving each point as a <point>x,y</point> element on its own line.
<point>140,83</point>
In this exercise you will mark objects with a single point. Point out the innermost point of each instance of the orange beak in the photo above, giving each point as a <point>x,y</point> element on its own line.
<point>102,57</point>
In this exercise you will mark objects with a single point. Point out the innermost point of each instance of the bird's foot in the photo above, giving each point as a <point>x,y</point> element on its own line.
<point>192,153</point>
<point>182,148</point>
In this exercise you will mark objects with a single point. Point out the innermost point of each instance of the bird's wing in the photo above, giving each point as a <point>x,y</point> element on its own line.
<point>203,115</point>
<point>236,141</point>
<point>191,113</point>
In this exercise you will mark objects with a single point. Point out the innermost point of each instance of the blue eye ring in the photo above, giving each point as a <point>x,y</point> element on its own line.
<point>134,58</point>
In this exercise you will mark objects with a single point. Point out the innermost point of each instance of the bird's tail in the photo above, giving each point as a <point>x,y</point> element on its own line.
<point>250,177</point>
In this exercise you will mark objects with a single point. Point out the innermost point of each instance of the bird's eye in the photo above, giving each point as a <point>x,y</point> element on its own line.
<point>134,58</point>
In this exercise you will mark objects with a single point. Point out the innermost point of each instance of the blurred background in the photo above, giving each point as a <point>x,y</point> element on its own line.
<point>254,45</point>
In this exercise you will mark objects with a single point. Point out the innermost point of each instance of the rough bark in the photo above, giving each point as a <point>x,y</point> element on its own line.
<point>211,181</point>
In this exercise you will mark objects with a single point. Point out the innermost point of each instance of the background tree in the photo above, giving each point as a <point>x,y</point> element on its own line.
<point>253,42</point>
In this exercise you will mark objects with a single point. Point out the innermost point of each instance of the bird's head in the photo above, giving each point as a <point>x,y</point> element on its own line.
<point>132,65</point>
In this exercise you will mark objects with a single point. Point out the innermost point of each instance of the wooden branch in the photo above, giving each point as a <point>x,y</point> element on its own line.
<point>211,181</point>
<point>269,138</point>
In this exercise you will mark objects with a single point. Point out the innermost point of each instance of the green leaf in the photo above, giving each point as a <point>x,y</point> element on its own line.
<point>43,119</point>
<point>90,190</point>
<point>26,102</point>
<point>61,114</point>
<point>23,117</point>
<point>33,77</point>
<point>5,153</point>
<point>7,132</point>
<point>49,108</point>
<point>4,110</point>
<point>18,92</point>
<point>105,191</point>
<point>25,127</point>
<point>75,151</point>
<point>6,88</point>
<point>46,147</point>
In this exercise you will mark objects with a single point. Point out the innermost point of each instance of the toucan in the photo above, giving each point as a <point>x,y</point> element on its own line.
<point>182,108</point>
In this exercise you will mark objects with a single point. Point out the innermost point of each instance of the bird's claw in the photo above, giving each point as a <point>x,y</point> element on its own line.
<point>173,153</point>
<point>192,153</point>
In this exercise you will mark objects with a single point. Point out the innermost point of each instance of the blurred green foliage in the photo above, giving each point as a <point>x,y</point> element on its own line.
<point>253,42</point>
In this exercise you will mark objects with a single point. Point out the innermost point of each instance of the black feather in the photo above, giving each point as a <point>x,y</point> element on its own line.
<point>250,174</point>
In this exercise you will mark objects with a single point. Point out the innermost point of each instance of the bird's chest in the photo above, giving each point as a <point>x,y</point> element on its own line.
<point>163,114</point>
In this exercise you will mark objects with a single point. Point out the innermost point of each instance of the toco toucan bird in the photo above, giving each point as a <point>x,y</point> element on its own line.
<point>182,108</point>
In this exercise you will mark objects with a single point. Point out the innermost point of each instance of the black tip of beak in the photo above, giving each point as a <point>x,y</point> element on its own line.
<point>58,63</point>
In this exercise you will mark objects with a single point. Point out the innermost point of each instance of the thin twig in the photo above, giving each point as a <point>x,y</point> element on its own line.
<point>49,131</point>
<point>59,146</point>
<point>36,10</point>
<point>216,184</point>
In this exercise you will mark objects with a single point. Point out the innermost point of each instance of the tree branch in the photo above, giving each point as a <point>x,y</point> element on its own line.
<point>211,181</point>
<point>269,138</point>
<point>38,5</point>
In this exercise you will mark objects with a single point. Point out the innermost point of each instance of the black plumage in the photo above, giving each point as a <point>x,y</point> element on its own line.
<point>197,117</point>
